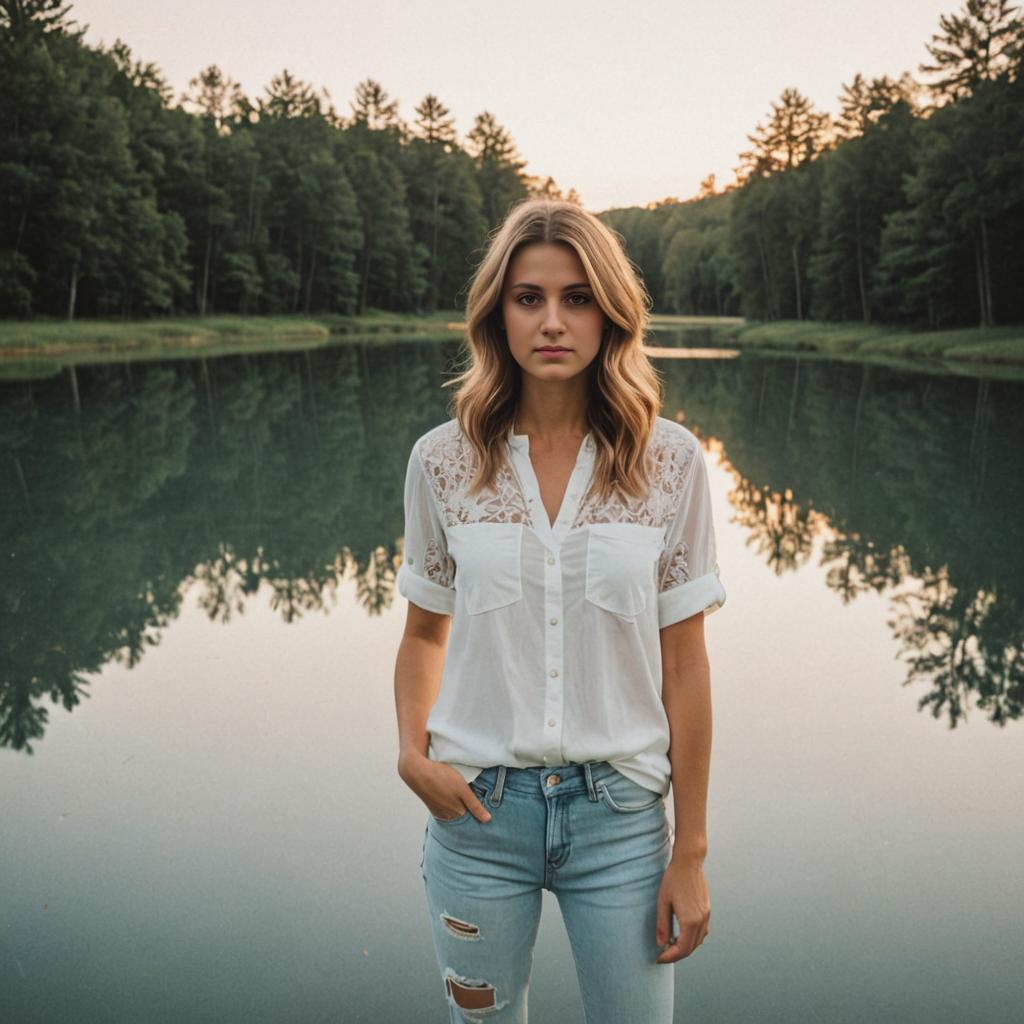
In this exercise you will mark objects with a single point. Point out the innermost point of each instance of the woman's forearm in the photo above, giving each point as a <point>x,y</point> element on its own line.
<point>686,694</point>
<point>418,668</point>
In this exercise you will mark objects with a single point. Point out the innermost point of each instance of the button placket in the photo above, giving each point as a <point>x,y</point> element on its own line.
<point>551,537</point>
<point>554,692</point>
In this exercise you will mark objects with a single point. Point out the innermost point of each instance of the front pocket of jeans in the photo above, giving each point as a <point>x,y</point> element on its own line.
<point>481,793</point>
<point>488,568</point>
<point>620,566</point>
<point>624,796</point>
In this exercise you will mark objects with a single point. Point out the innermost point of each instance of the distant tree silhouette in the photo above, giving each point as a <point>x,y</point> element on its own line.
<point>499,166</point>
<point>794,132</point>
<point>433,123</point>
<point>373,107</point>
<point>973,46</point>
<point>864,103</point>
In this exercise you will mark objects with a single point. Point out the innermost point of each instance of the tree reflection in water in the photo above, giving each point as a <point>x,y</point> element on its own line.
<point>915,484</point>
<point>285,471</point>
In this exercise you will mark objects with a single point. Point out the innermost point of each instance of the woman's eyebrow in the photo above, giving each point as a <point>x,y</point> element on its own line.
<point>537,287</point>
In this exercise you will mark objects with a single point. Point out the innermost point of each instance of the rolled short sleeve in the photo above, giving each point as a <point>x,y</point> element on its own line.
<point>688,568</point>
<point>426,575</point>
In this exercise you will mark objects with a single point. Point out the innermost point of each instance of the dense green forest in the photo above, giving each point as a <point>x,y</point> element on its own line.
<point>908,207</point>
<point>120,200</point>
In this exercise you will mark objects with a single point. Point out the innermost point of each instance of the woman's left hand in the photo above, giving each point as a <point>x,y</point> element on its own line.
<point>683,892</point>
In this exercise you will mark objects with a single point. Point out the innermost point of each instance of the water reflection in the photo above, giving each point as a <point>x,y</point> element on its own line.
<point>125,485</point>
<point>916,484</point>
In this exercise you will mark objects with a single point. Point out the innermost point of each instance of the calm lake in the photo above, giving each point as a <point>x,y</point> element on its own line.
<point>201,817</point>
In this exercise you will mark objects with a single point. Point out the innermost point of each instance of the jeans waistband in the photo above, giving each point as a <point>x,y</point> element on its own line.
<point>561,779</point>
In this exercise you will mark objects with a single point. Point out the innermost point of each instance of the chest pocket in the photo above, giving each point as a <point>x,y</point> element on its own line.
<point>488,566</point>
<point>620,566</point>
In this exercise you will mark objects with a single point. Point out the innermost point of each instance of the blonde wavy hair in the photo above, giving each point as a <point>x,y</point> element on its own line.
<point>625,390</point>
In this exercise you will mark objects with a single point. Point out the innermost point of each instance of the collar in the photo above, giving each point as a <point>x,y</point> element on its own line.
<point>518,441</point>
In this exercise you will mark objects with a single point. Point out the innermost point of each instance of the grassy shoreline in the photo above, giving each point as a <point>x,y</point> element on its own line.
<point>50,340</point>
<point>993,345</point>
<point>35,339</point>
<point>46,339</point>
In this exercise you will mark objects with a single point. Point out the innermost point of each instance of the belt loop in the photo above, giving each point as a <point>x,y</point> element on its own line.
<point>498,786</point>
<point>592,792</point>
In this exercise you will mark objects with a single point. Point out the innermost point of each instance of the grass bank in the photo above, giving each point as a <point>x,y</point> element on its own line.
<point>56,338</point>
<point>375,321</point>
<point>168,336</point>
<point>993,345</point>
<point>61,341</point>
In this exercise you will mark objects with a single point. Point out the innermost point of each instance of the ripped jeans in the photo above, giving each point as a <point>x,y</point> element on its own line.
<point>600,842</point>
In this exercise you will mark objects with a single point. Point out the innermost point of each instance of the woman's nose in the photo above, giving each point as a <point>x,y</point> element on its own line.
<point>552,322</point>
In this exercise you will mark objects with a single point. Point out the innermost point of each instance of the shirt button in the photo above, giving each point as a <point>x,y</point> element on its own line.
<point>551,721</point>
<point>553,621</point>
<point>553,673</point>
<point>551,560</point>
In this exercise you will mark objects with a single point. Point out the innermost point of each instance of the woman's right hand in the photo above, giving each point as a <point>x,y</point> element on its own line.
<point>445,792</point>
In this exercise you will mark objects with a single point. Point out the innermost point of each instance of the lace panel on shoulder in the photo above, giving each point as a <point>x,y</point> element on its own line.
<point>450,463</point>
<point>668,463</point>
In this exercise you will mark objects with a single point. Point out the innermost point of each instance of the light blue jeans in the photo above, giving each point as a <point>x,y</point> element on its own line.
<point>600,842</point>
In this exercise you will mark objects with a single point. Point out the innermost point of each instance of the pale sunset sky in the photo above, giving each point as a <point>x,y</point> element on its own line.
<point>627,102</point>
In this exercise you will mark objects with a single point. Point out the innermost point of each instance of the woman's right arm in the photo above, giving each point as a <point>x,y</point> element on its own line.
<point>418,669</point>
<point>426,580</point>
<point>418,679</point>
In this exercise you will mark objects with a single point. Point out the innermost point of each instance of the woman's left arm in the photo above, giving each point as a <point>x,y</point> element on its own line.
<point>686,694</point>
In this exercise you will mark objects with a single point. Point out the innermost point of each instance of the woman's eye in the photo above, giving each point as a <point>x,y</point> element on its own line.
<point>571,299</point>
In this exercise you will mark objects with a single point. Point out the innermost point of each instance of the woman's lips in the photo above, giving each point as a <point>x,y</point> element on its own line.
<point>553,350</point>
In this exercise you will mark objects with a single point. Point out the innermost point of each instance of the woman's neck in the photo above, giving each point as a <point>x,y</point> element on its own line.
<point>552,410</point>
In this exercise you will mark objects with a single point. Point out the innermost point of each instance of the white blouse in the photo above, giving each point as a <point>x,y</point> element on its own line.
<point>554,654</point>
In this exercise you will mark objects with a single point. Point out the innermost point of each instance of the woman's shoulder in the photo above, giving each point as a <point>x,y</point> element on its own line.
<point>672,438</point>
<point>440,443</point>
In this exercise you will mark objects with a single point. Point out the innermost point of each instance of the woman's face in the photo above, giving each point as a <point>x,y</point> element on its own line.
<point>552,320</point>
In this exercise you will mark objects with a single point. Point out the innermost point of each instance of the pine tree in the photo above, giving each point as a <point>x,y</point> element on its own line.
<point>499,166</point>
<point>864,103</point>
<point>973,46</point>
<point>433,123</point>
<point>795,132</point>
<point>373,108</point>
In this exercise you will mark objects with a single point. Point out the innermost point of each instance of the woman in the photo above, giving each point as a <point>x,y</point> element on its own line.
<point>560,528</point>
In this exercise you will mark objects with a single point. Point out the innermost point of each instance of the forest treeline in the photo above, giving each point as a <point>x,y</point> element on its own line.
<point>907,207</point>
<point>120,200</point>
